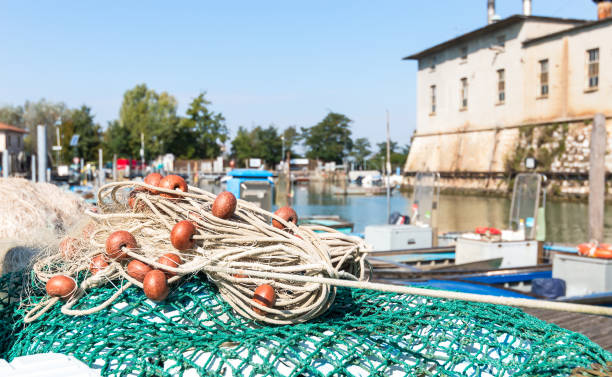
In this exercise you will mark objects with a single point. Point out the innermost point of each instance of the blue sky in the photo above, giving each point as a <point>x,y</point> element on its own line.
<point>264,62</point>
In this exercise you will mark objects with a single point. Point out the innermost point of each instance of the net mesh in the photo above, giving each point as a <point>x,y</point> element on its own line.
<point>194,332</point>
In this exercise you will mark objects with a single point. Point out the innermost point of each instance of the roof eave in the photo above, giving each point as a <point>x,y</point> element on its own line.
<point>485,29</point>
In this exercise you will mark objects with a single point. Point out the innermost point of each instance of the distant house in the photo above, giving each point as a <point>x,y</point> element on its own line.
<point>11,140</point>
<point>478,94</point>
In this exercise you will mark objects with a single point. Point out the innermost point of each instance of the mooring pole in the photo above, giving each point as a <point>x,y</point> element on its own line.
<point>114,167</point>
<point>5,163</point>
<point>388,170</point>
<point>33,168</point>
<point>597,178</point>
<point>101,174</point>
<point>41,136</point>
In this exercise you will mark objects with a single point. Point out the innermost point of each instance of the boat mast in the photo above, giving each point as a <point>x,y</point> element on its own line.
<point>388,168</point>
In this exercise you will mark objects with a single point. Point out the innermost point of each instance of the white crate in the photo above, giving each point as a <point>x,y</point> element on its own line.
<point>398,237</point>
<point>583,275</point>
<point>514,253</point>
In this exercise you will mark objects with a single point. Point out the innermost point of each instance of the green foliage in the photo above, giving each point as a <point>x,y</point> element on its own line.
<point>201,134</point>
<point>361,150</point>
<point>292,138</point>
<point>30,115</point>
<point>397,158</point>
<point>114,140</point>
<point>153,114</point>
<point>80,122</point>
<point>12,115</point>
<point>263,143</point>
<point>330,139</point>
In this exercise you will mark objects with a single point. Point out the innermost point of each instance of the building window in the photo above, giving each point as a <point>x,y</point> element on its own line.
<point>464,93</point>
<point>593,68</point>
<point>464,53</point>
<point>433,99</point>
<point>501,85</point>
<point>544,78</point>
<point>434,62</point>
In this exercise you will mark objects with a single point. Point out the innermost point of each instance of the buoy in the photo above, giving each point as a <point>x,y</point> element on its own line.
<point>182,234</point>
<point>155,285</point>
<point>224,205</point>
<point>172,182</point>
<point>60,286</point>
<point>264,295</point>
<point>286,213</point>
<point>117,241</point>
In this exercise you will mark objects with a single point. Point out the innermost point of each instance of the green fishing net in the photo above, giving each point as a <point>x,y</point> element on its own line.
<point>365,333</point>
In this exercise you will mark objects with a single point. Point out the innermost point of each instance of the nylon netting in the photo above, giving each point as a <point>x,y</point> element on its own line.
<point>194,332</point>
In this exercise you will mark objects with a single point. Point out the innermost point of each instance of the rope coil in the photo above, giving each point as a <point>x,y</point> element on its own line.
<point>247,241</point>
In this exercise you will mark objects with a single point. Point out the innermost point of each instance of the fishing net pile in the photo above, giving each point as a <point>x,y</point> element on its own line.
<point>364,333</point>
<point>32,216</point>
<point>211,320</point>
<point>155,236</point>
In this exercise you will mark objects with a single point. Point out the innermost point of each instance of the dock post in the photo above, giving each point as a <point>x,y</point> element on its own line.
<point>115,167</point>
<point>33,160</point>
<point>597,178</point>
<point>41,137</point>
<point>101,174</point>
<point>5,163</point>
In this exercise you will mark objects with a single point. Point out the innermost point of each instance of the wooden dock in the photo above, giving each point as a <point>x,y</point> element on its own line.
<point>595,327</point>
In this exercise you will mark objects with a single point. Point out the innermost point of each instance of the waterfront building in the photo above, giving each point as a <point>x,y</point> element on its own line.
<point>513,88</point>
<point>11,140</point>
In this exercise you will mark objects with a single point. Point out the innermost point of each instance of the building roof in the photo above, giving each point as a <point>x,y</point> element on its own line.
<point>487,29</point>
<point>581,27</point>
<point>8,127</point>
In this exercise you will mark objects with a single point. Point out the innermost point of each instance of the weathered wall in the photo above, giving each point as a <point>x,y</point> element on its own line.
<point>487,136</point>
<point>481,151</point>
<point>569,95</point>
<point>480,68</point>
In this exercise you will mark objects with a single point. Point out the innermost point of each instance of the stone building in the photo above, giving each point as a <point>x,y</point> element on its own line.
<point>518,87</point>
<point>11,140</point>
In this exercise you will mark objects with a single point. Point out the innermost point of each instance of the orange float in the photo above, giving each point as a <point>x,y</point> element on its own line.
<point>602,250</point>
<point>172,182</point>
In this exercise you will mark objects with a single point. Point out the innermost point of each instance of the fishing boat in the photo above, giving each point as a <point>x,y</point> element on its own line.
<point>330,221</point>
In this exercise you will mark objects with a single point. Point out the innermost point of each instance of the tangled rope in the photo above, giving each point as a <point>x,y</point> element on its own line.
<point>246,241</point>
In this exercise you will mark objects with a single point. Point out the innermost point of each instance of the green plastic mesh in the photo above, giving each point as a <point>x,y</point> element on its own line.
<point>364,333</point>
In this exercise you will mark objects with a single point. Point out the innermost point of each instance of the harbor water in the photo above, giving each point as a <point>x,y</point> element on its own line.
<point>566,222</point>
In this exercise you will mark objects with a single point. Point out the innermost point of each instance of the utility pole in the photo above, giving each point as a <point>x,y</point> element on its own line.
<point>58,146</point>
<point>388,169</point>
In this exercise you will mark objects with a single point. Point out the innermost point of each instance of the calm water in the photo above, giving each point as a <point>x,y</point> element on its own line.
<point>565,222</point>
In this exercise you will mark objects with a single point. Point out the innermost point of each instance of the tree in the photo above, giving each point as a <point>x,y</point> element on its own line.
<point>291,139</point>
<point>80,122</point>
<point>361,150</point>
<point>30,115</point>
<point>201,134</point>
<point>114,140</point>
<point>397,158</point>
<point>152,114</point>
<point>330,139</point>
<point>12,115</point>
<point>263,143</point>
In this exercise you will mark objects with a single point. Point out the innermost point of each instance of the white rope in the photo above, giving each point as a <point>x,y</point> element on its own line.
<point>487,299</point>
